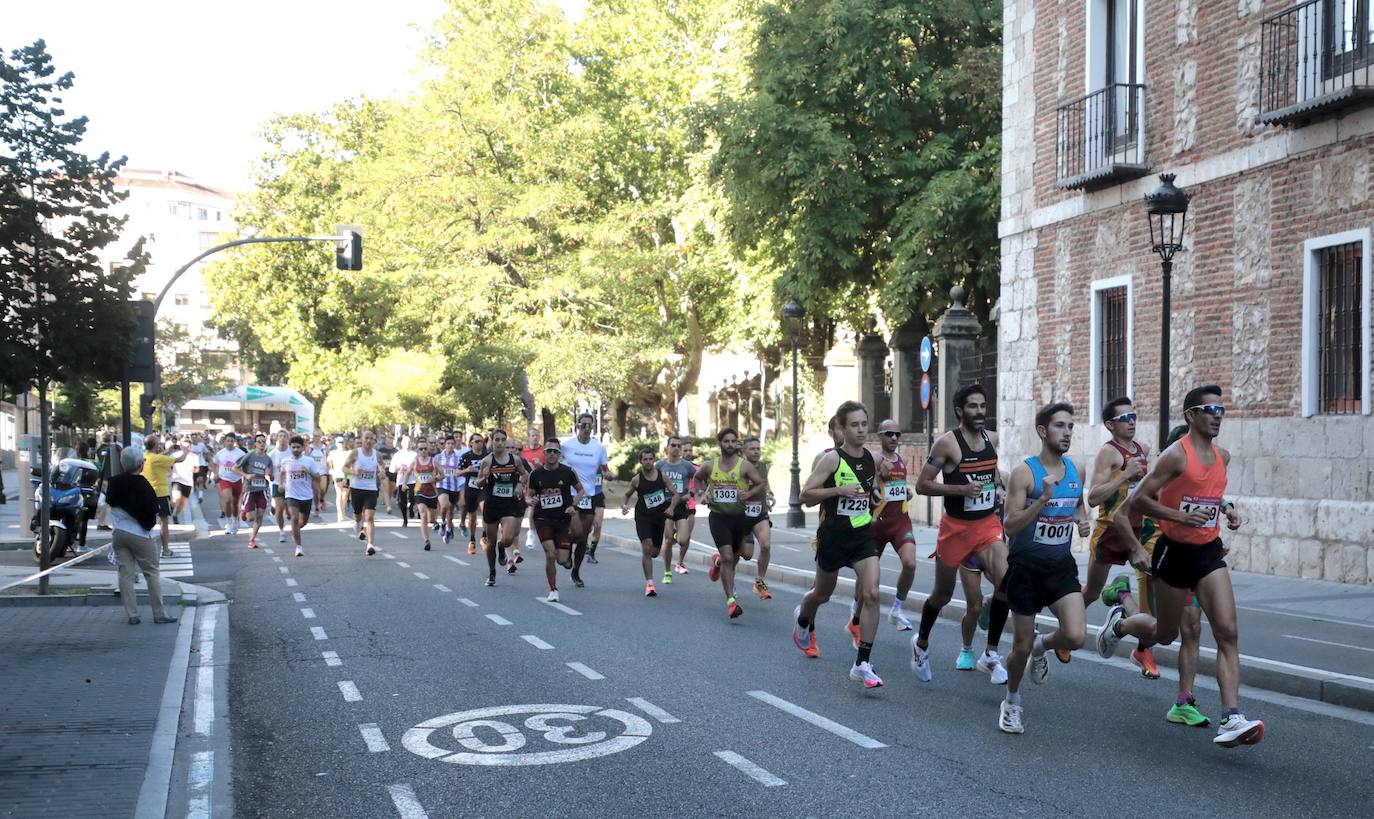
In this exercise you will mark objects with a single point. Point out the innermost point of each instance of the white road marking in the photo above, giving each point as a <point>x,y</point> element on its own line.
<point>403,564</point>
<point>652,710</point>
<point>205,675</point>
<point>817,720</point>
<point>585,671</point>
<point>298,597</point>
<point>467,602</point>
<point>349,691</point>
<point>560,607</point>
<point>388,555</point>
<point>421,575</point>
<point>308,614</point>
<point>407,805</point>
<point>441,587</point>
<point>498,619</point>
<point>1328,642</point>
<point>276,560</point>
<point>331,658</point>
<point>269,551</point>
<point>291,581</point>
<point>284,569</point>
<point>401,536</point>
<point>749,769</point>
<point>536,642</point>
<point>372,735</point>
<point>318,633</point>
<point>198,782</point>
<point>456,560</point>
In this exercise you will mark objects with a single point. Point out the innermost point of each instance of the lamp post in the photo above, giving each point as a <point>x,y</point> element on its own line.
<point>1167,208</point>
<point>793,313</point>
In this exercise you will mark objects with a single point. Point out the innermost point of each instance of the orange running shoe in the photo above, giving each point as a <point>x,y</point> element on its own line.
<point>1145,661</point>
<point>713,574</point>
<point>1063,655</point>
<point>853,630</point>
<point>761,589</point>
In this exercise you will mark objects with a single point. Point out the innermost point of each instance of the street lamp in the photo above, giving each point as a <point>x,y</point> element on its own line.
<point>792,314</point>
<point>1167,208</point>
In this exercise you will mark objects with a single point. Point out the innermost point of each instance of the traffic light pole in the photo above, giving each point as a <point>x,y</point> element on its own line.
<point>256,240</point>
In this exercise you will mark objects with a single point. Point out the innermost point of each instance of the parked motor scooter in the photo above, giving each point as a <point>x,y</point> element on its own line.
<point>73,502</point>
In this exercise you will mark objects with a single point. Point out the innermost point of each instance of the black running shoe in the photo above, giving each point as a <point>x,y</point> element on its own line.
<point>577,581</point>
<point>426,545</point>
<point>491,580</point>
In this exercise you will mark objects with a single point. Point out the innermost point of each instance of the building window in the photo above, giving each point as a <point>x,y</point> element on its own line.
<point>1112,349</point>
<point>1336,325</point>
<point>1350,35</point>
<point>181,300</point>
<point>202,214</point>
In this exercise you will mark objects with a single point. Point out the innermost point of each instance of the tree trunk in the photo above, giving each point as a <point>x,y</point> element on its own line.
<point>550,423</point>
<point>620,412</point>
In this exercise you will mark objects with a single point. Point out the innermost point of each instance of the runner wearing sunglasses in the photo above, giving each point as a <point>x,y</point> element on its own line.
<point>1190,482</point>
<point>552,494</point>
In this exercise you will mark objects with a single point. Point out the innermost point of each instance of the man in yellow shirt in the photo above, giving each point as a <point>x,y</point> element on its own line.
<point>157,468</point>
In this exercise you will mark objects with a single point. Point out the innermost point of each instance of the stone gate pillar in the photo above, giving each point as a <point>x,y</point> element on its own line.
<point>956,335</point>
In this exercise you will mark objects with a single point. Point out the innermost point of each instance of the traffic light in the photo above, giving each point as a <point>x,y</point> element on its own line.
<point>145,405</point>
<point>142,356</point>
<point>348,253</point>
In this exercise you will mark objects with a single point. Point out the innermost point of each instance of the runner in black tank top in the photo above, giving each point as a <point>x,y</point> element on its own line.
<point>657,497</point>
<point>500,477</point>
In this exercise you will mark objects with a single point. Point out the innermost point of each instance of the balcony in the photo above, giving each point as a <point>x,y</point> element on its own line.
<point>1315,59</point>
<point>1100,138</point>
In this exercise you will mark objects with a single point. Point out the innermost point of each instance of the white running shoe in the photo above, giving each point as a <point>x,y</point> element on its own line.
<point>371,550</point>
<point>863,672</point>
<point>896,618</point>
<point>1009,719</point>
<point>553,596</point>
<point>1237,730</point>
<point>1039,667</point>
<point>1107,638</point>
<point>281,536</point>
<point>920,661</point>
<point>991,663</point>
<point>300,552</point>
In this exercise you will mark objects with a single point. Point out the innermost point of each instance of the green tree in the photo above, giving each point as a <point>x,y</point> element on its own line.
<point>188,372</point>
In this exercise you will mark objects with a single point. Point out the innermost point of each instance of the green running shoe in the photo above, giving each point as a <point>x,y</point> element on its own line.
<point>1111,594</point>
<point>667,577</point>
<point>965,661</point>
<point>1187,715</point>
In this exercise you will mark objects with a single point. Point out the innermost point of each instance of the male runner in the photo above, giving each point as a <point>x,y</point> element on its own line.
<point>533,456</point>
<point>843,484</point>
<point>318,452</point>
<point>424,474</point>
<point>184,480</point>
<point>386,477</point>
<point>966,458</point>
<point>892,524</point>
<point>727,484</point>
<point>299,473</point>
<point>229,481</point>
<point>681,472</point>
<point>1044,504</point>
<point>363,467</point>
<point>469,464</point>
<point>1190,482</point>
<point>500,478</point>
<point>756,517</point>
<point>552,494</point>
<point>343,448</point>
<point>202,451</point>
<point>657,496</point>
<point>402,463</point>
<point>451,485</point>
<point>279,452</point>
<point>256,470</point>
<point>587,457</point>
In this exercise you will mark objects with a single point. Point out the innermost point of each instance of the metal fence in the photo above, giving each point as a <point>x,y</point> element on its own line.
<point>1314,56</point>
<point>1100,133</point>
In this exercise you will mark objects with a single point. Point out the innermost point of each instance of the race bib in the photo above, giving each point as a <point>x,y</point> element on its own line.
<point>753,509</point>
<point>585,503</point>
<point>1210,506</point>
<point>1053,531</point>
<point>984,500</point>
<point>725,493</point>
<point>895,491</point>
<point>257,483</point>
<point>551,499</point>
<point>503,490</point>
<point>655,499</point>
<point>679,483</point>
<point>365,474</point>
<point>450,472</point>
<point>424,477</point>
<point>852,507</point>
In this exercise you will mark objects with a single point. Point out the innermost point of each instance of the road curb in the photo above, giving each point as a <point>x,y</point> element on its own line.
<point>1344,690</point>
<point>187,596</point>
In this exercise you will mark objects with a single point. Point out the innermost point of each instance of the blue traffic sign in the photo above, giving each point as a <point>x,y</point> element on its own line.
<point>925,391</point>
<point>927,353</point>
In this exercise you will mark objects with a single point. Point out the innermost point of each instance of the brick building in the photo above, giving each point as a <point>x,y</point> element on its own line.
<point>1262,110</point>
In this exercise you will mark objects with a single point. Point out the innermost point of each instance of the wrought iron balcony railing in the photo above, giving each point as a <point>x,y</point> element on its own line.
<point>1100,137</point>
<point>1315,58</point>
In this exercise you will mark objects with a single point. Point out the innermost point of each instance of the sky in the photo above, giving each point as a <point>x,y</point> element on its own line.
<point>186,86</point>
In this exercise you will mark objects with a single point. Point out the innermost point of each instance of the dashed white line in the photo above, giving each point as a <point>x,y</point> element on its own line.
<point>1327,642</point>
<point>318,633</point>
<point>441,587</point>
<point>284,569</point>
<point>291,581</point>
<point>331,658</point>
<point>399,535</point>
<point>269,551</point>
<point>308,613</point>
<point>653,710</point>
<point>498,619</point>
<point>388,555</point>
<point>749,769</point>
<point>467,602</point>
<point>421,575</point>
<point>276,560</point>
<point>298,597</point>
<point>349,691</point>
<point>536,642</point>
<point>372,735</point>
<point>817,720</point>
<point>560,607</point>
<point>407,805</point>
<point>456,560</point>
<point>585,671</point>
<point>403,564</point>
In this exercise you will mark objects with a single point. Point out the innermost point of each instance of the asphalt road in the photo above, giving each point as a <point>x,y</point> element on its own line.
<point>695,714</point>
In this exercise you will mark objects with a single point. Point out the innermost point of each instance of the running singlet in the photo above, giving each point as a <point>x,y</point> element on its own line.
<point>754,507</point>
<point>404,459</point>
<point>300,474</point>
<point>586,460</point>
<point>1050,535</point>
<point>724,489</point>
<point>226,458</point>
<point>425,477</point>
<point>259,468</point>
<point>1198,489</point>
<point>894,499</point>
<point>553,492</point>
<point>471,460</point>
<point>844,513</point>
<point>653,496</point>
<point>1106,513</point>
<point>502,478</point>
<point>978,468</point>
<point>449,464</point>
<point>365,474</point>
<point>318,455</point>
<point>184,473</point>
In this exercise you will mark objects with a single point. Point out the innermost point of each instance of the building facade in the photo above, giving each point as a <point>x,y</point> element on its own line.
<point>1261,109</point>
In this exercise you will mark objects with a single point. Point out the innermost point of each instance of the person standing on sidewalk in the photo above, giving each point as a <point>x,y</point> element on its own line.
<point>157,468</point>
<point>133,516</point>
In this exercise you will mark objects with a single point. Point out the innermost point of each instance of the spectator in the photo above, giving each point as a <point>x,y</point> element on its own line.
<point>133,513</point>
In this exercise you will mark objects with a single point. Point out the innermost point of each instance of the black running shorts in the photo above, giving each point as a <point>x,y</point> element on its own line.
<point>728,531</point>
<point>1033,583</point>
<point>649,526</point>
<point>361,499</point>
<point>838,548</point>
<point>1183,565</point>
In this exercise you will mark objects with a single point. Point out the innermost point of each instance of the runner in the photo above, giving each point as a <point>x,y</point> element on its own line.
<point>402,465</point>
<point>338,456</point>
<point>256,470</point>
<point>1190,482</point>
<point>552,494</point>
<point>202,451</point>
<point>424,474</point>
<point>727,484</point>
<point>756,517</point>
<point>843,484</point>
<point>501,476</point>
<point>363,467</point>
<point>470,501</point>
<point>278,453</point>
<point>587,457</point>
<point>317,452</point>
<point>970,537</point>
<point>299,474</point>
<point>681,473</point>
<point>892,521</point>
<point>1044,503</point>
<point>451,486</point>
<point>533,456</point>
<point>657,497</point>
<point>230,483</point>
<point>386,476</point>
<point>184,480</point>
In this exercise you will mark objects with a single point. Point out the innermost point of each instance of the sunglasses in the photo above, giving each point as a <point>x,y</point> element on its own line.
<point>1126,417</point>
<point>1211,409</point>
<point>553,452</point>
<point>891,434</point>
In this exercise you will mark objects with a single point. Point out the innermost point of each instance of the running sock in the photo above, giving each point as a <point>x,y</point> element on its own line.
<point>898,603</point>
<point>803,624</point>
<point>1013,698</point>
<point>1183,698</point>
<point>929,614</point>
<point>997,620</point>
<point>865,649</point>
<point>579,554</point>
<point>1229,712</point>
<point>1116,628</point>
<point>968,648</point>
